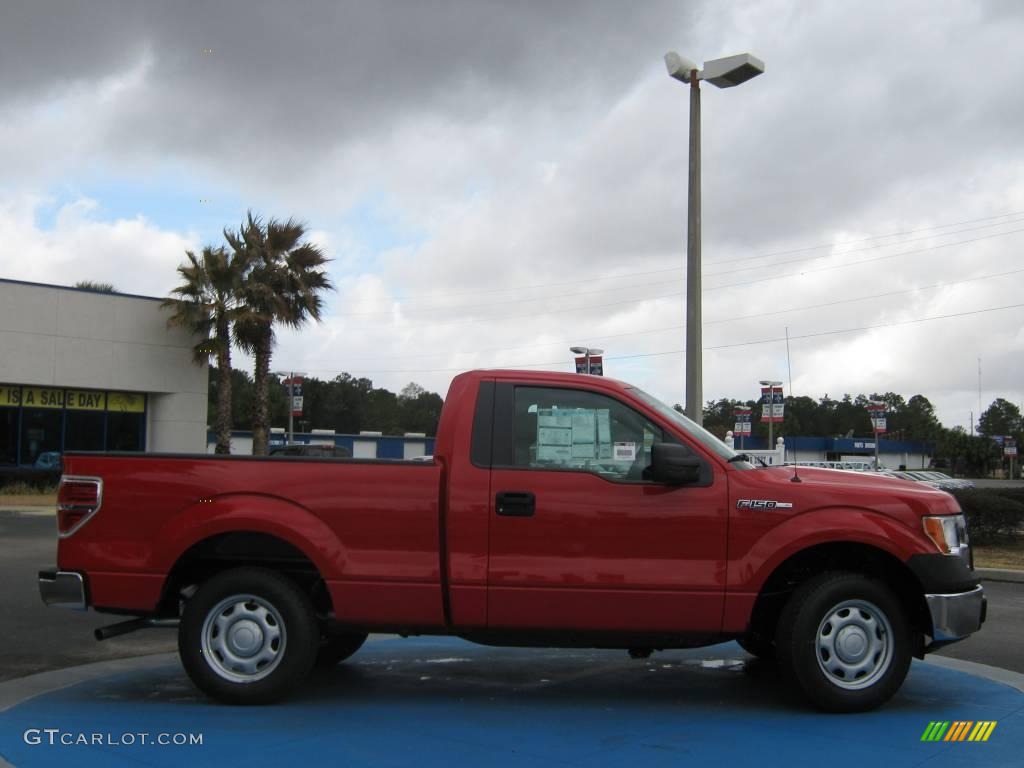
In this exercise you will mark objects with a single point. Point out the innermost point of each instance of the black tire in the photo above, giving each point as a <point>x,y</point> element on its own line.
<point>334,649</point>
<point>757,645</point>
<point>844,641</point>
<point>248,636</point>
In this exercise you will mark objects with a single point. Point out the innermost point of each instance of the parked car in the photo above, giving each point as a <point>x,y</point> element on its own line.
<point>49,460</point>
<point>940,477</point>
<point>934,479</point>
<point>313,451</point>
<point>558,510</point>
<point>850,466</point>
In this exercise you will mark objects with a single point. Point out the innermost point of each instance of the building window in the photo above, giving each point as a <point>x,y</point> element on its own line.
<point>84,431</point>
<point>126,421</point>
<point>49,420</point>
<point>125,431</point>
<point>40,432</point>
<point>8,435</point>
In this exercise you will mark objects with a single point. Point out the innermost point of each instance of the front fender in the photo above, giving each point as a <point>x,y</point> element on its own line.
<point>258,513</point>
<point>756,560</point>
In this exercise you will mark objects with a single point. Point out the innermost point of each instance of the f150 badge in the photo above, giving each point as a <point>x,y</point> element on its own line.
<point>762,504</point>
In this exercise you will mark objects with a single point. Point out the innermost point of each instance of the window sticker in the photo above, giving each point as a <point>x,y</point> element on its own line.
<point>573,436</point>
<point>625,452</point>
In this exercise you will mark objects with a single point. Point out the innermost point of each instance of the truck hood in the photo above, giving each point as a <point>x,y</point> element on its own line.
<point>820,488</point>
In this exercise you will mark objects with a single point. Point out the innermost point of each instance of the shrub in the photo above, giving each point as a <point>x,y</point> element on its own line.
<point>28,480</point>
<point>992,514</point>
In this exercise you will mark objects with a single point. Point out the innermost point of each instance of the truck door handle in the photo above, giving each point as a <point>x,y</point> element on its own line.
<point>515,503</point>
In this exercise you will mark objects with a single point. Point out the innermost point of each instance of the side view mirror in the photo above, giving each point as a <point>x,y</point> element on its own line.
<point>673,464</point>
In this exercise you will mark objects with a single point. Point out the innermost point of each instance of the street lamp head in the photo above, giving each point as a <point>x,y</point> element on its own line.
<point>680,67</point>
<point>732,70</point>
<point>769,383</point>
<point>578,350</point>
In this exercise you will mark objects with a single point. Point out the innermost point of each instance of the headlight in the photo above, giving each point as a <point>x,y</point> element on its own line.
<point>949,533</point>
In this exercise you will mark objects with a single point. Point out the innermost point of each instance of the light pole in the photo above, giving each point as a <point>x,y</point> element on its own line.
<point>586,352</point>
<point>771,409</point>
<point>876,408</point>
<point>291,400</point>
<point>724,73</point>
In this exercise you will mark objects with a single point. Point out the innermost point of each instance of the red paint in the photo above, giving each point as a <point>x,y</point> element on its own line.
<point>388,538</point>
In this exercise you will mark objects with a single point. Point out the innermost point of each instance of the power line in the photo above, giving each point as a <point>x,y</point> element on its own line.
<point>882,237</point>
<point>679,269</point>
<point>740,284</point>
<point>857,250</point>
<point>872,260</point>
<point>871,327</point>
<point>707,348</point>
<point>888,294</point>
<point>660,283</point>
<point>736,318</point>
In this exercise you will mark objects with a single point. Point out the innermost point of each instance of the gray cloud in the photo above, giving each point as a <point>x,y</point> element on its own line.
<point>530,143</point>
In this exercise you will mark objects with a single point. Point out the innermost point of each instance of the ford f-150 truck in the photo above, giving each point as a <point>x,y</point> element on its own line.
<point>558,510</point>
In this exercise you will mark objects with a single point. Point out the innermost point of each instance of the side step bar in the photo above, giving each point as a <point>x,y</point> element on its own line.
<point>124,627</point>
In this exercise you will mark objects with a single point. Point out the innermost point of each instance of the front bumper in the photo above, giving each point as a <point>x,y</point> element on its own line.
<point>62,589</point>
<point>957,615</point>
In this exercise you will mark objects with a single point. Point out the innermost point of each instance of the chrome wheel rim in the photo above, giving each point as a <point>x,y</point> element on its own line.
<point>854,644</point>
<point>243,638</point>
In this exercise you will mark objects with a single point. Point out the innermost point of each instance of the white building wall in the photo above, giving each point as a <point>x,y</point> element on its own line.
<point>177,423</point>
<point>61,337</point>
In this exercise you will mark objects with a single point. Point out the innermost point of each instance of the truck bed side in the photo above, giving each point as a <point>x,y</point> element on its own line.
<point>369,527</point>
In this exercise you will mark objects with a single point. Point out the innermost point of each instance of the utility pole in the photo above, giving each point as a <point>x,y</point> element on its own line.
<point>979,388</point>
<point>291,400</point>
<point>291,413</point>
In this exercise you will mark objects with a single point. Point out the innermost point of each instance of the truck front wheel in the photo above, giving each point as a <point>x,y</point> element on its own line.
<point>843,638</point>
<point>248,636</point>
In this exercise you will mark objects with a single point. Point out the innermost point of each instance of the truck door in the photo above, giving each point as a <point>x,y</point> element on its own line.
<point>579,539</point>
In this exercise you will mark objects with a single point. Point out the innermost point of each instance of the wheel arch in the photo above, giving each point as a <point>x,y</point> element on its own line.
<point>242,548</point>
<point>848,556</point>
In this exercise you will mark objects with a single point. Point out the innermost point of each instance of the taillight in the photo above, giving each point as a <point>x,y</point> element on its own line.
<point>78,499</point>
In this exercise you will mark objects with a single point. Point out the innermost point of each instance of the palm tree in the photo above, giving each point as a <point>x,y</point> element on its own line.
<point>207,302</point>
<point>96,287</point>
<point>285,285</point>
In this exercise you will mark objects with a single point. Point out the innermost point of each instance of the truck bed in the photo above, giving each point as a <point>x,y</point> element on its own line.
<point>371,527</point>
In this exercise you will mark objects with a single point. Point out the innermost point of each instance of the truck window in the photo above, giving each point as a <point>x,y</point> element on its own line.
<point>569,429</point>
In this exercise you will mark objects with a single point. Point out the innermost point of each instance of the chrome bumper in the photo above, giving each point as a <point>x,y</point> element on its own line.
<point>956,616</point>
<point>62,589</point>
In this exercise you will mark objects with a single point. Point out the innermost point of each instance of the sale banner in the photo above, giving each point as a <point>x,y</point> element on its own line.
<point>773,405</point>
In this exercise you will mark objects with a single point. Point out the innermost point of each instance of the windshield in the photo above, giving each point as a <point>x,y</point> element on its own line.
<point>695,431</point>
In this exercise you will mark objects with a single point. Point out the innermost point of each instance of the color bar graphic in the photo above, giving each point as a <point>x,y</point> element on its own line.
<point>959,730</point>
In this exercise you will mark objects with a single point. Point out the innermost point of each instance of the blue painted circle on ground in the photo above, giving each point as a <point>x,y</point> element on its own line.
<point>441,701</point>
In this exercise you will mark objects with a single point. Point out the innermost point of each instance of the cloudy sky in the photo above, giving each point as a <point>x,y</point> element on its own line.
<point>496,181</point>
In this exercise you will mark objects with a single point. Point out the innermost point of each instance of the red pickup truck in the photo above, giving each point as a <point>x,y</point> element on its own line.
<point>558,510</point>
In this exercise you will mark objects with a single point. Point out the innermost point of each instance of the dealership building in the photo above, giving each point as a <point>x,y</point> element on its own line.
<point>82,370</point>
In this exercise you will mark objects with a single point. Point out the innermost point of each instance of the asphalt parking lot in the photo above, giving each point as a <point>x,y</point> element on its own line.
<point>442,701</point>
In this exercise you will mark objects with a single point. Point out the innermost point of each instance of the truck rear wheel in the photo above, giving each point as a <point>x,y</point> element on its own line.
<point>843,639</point>
<point>248,636</point>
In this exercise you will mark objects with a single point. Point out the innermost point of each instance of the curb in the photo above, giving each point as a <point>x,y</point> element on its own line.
<point>41,510</point>
<point>1000,574</point>
<point>995,674</point>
